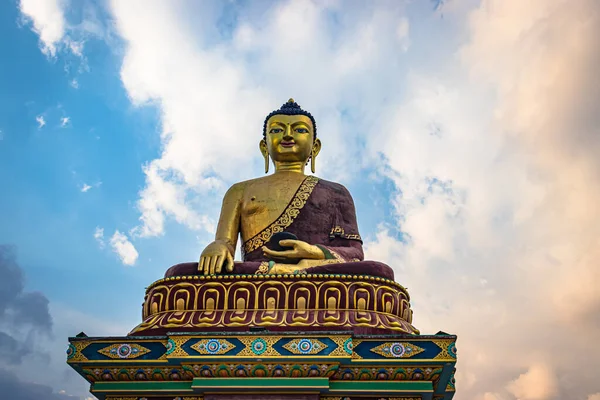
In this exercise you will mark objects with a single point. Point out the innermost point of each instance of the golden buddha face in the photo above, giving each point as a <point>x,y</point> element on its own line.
<point>290,138</point>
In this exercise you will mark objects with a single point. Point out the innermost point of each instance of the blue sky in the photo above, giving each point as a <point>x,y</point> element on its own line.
<point>104,144</point>
<point>454,124</point>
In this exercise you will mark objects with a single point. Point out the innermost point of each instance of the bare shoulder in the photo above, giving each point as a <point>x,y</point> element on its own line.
<point>255,182</point>
<point>236,191</point>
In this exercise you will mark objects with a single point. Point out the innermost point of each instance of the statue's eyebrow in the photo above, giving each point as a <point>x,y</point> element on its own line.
<point>295,124</point>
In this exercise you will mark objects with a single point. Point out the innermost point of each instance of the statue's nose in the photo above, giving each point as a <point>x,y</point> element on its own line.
<point>288,132</point>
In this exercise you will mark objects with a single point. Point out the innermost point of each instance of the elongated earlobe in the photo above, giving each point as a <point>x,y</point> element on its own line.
<point>316,149</point>
<point>265,152</point>
<point>266,156</point>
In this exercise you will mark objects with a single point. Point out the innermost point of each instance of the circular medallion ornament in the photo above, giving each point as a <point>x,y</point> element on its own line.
<point>213,346</point>
<point>71,351</point>
<point>348,346</point>
<point>170,346</point>
<point>305,346</point>
<point>258,346</point>
<point>124,351</point>
<point>397,350</point>
<point>452,350</point>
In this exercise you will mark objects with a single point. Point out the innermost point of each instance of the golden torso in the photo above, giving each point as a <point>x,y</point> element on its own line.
<point>263,200</point>
<point>251,206</point>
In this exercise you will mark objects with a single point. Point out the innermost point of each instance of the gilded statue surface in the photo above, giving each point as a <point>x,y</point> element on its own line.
<point>288,221</point>
<point>302,264</point>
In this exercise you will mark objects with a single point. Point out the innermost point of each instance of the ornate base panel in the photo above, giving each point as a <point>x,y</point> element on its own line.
<point>334,365</point>
<point>286,302</point>
<point>266,397</point>
<point>314,396</point>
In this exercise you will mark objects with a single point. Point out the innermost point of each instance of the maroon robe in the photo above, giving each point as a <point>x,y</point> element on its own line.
<point>321,213</point>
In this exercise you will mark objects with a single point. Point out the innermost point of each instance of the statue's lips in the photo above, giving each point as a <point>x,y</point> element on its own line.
<point>287,144</point>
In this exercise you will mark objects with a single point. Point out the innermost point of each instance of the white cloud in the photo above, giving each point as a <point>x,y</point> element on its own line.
<point>76,47</point>
<point>491,396</point>
<point>504,193</point>
<point>48,21</point>
<point>85,187</point>
<point>488,129</point>
<point>538,383</point>
<point>57,36</point>
<point>124,248</point>
<point>64,121</point>
<point>40,120</point>
<point>99,236</point>
<point>199,88</point>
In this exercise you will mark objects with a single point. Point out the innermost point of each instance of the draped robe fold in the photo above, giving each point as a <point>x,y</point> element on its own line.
<point>321,213</point>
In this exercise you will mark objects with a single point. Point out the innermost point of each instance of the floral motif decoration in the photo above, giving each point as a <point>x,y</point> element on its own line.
<point>397,350</point>
<point>71,350</point>
<point>339,231</point>
<point>174,346</point>
<point>217,370</point>
<point>124,350</point>
<point>372,373</point>
<point>171,345</point>
<point>75,351</point>
<point>258,346</point>
<point>348,346</point>
<point>124,398</point>
<point>451,383</point>
<point>452,350</point>
<point>448,347</point>
<point>213,346</point>
<point>305,346</point>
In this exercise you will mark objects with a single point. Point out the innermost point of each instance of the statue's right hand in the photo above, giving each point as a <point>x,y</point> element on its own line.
<point>215,256</point>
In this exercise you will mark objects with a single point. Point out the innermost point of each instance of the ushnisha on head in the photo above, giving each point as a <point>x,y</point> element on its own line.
<point>290,137</point>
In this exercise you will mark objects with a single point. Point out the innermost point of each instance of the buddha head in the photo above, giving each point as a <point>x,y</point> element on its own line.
<point>290,136</point>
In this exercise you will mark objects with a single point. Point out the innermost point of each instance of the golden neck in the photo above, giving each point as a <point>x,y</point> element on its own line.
<point>294,166</point>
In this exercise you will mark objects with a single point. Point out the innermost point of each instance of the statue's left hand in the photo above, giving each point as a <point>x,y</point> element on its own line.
<point>299,250</point>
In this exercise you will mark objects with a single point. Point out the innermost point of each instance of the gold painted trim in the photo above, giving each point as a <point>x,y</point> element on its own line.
<point>141,350</point>
<point>286,218</point>
<point>381,350</point>
<point>278,277</point>
<point>340,232</point>
<point>282,310</point>
<point>143,392</point>
<point>432,361</point>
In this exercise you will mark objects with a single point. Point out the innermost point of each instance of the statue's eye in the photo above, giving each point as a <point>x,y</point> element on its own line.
<point>302,130</point>
<point>276,130</point>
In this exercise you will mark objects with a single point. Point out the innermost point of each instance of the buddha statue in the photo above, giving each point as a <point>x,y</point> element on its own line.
<point>289,222</point>
<point>302,264</point>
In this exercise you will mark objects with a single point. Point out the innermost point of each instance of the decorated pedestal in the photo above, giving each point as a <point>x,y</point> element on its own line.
<point>294,302</point>
<point>271,337</point>
<point>306,316</point>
